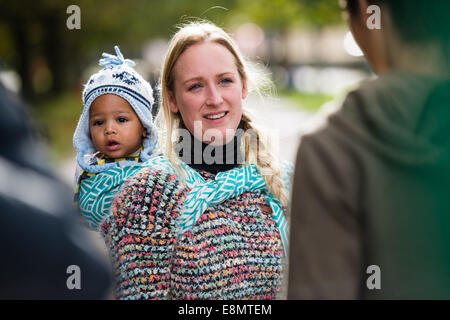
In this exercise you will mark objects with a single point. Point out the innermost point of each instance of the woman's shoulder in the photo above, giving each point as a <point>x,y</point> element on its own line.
<point>287,171</point>
<point>152,178</point>
<point>151,193</point>
<point>287,167</point>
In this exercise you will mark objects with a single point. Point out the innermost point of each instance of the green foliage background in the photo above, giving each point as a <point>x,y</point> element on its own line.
<point>50,59</point>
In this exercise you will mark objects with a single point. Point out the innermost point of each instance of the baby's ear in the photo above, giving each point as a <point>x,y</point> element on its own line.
<point>144,133</point>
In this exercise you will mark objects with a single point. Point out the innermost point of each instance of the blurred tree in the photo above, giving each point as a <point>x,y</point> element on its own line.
<point>36,44</point>
<point>50,58</point>
<point>277,17</point>
<point>280,15</point>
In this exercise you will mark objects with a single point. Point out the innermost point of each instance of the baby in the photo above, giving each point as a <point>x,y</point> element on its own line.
<point>114,135</point>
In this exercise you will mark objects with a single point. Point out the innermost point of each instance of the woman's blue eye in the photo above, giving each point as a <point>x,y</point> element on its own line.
<point>226,80</point>
<point>193,87</point>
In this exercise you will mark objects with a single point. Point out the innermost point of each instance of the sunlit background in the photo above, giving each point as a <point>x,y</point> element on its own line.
<point>304,44</point>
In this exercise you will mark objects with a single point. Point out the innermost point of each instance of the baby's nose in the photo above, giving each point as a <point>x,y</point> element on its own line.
<point>110,129</point>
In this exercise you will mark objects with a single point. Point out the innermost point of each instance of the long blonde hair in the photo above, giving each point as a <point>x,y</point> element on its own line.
<point>257,152</point>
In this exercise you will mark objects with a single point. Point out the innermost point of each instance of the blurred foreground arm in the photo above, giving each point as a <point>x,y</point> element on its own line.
<point>40,235</point>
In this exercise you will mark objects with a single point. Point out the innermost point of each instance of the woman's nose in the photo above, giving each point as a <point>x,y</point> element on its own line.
<point>214,96</point>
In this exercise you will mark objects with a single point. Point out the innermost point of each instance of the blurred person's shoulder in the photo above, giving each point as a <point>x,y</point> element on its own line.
<point>393,99</point>
<point>377,120</point>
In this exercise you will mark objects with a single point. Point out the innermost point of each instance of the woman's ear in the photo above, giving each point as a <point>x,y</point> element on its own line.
<point>144,133</point>
<point>244,89</point>
<point>172,102</point>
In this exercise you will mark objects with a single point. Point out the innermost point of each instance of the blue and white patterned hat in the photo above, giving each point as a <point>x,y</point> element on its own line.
<point>117,77</point>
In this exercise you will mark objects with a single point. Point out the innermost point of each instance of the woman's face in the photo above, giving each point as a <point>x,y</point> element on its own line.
<point>208,92</point>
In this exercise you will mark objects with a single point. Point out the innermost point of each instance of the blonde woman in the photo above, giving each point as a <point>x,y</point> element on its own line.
<point>207,219</point>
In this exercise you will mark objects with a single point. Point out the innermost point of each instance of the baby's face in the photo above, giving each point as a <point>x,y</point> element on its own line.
<point>116,130</point>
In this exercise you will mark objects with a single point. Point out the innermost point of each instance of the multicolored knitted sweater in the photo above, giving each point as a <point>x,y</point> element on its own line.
<point>233,251</point>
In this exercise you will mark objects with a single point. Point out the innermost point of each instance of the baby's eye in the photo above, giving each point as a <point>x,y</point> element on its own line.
<point>121,119</point>
<point>97,122</point>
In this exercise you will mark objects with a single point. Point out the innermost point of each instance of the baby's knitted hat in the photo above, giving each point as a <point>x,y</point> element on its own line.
<point>117,77</point>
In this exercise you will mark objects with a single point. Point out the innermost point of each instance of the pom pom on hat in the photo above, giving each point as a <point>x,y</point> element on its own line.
<point>117,77</point>
<point>110,60</point>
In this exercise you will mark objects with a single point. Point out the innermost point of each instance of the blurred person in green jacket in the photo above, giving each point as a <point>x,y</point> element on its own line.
<point>370,209</point>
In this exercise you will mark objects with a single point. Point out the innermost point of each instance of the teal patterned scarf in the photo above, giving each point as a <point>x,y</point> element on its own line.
<point>97,193</point>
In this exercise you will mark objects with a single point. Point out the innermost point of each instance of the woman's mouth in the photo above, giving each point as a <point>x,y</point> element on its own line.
<point>216,116</point>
